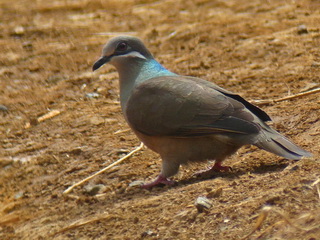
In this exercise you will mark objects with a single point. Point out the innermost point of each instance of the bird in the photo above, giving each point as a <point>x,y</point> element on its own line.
<point>183,118</point>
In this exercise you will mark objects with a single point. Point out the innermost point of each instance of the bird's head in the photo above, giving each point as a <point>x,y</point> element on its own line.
<point>119,50</point>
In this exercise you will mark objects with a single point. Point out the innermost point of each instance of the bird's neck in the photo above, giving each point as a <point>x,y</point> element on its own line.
<point>136,72</point>
<point>151,69</point>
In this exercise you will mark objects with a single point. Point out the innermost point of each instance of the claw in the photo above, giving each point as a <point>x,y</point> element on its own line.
<point>160,180</point>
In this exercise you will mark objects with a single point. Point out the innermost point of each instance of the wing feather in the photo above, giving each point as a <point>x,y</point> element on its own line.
<point>185,107</point>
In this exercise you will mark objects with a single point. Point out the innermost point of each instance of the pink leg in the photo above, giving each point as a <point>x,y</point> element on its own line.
<point>214,169</point>
<point>218,168</point>
<point>160,180</point>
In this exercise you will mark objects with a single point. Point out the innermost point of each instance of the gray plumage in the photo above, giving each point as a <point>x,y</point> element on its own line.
<point>186,119</point>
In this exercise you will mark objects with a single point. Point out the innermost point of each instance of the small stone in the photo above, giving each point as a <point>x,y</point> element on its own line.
<point>76,151</point>
<point>302,29</point>
<point>92,95</point>
<point>83,86</point>
<point>3,108</point>
<point>147,233</point>
<point>273,200</point>
<point>18,195</point>
<point>226,220</point>
<point>295,168</point>
<point>101,90</point>
<point>203,204</point>
<point>19,30</point>
<point>136,183</point>
<point>95,189</point>
<point>97,120</point>
<point>27,45</point>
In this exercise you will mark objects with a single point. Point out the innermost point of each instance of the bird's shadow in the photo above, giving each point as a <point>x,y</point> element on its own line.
<point>233,174</point>
<point>236,173</point>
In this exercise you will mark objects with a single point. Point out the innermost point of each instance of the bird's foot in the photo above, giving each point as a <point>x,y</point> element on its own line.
<point>160,180</point>
<point>213,170</point>
<point>218,168</point>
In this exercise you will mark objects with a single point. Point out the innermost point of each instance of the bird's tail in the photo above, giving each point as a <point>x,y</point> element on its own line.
<point>275,143</point>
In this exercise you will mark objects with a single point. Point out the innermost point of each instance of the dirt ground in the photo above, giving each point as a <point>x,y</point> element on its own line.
<point>259,49</point>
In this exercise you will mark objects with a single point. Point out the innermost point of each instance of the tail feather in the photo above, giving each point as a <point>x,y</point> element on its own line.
<point>278,144</point>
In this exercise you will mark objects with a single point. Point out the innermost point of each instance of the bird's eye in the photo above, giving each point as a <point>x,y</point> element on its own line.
<point>122,47</point>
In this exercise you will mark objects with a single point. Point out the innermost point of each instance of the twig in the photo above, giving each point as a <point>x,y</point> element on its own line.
<point>122,131</point>
<point>48,115</point>
<point>318,190</point>
<point>269,101</point>
<point>316,184</point>
<point>44,117</point>
<point>69,189</point>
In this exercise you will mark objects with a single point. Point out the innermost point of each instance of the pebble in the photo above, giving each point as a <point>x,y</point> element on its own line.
<point>92,95</point>
<point>302,29</point>
<point>226,220</point>
<point>76,151</point>
<point>203,204</point>
<point>18,195</point>
<point>95,189</point>
<point>3,108</point>
<point>19,30</point>
<point>27,45</point>
<point>136,183</point>
<point>147,233</point>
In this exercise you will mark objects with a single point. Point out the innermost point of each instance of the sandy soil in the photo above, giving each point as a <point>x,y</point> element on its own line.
<point>255,48</point>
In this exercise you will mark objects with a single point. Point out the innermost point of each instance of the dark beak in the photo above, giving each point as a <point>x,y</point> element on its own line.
<point>103,60</point>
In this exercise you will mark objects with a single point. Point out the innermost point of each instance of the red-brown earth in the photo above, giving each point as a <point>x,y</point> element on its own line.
<point>259,49</point>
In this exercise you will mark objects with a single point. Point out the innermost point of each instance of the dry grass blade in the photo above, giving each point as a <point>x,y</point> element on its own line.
<point>44,117</point>
<point>115,33</point>
<point>9,219</point>
<point>123,131</point>
<point>316,184</point>
<point>263,216</point>
<point>48,115</point>
<point>270,101</point>
<point>104,169</point>
<point>318,190</point>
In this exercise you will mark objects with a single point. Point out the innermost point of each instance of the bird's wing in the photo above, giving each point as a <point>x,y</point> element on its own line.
<point>183,107</point>
<point>262,115</point>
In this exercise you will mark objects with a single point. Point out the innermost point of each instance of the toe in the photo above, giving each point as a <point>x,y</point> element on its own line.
<point>159,181</point>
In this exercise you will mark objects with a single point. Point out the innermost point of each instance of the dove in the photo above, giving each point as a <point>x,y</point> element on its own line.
<point>186,119</point>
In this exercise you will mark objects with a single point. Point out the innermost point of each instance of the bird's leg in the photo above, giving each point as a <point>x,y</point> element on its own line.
<point>169,168</point>
<point>214,169</point>
<point>218,168</point>
<point>160,180</point>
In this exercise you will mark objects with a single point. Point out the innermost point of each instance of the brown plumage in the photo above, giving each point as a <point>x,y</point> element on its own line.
<point>186,119</point>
